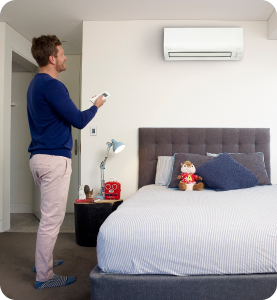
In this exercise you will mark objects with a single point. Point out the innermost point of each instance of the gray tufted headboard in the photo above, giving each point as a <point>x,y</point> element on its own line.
<point>154,142</point>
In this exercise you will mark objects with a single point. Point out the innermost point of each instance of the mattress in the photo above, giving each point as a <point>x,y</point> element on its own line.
<point>168,231</point>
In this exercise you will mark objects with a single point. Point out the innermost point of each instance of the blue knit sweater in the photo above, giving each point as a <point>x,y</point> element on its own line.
<point>51,113</point>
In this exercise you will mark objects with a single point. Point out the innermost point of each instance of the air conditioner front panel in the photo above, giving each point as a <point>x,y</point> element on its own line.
<point>210,43</point>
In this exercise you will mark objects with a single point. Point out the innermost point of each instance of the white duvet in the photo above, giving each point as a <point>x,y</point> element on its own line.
<point>165,231</point>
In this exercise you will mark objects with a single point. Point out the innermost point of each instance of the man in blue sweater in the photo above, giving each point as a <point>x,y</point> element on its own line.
<point>51,113</point>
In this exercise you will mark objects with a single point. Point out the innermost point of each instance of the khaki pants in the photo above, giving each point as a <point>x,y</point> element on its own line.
<point>52,174</point>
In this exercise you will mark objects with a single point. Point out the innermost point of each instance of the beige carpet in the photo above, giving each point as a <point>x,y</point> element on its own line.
<point>17,257</point>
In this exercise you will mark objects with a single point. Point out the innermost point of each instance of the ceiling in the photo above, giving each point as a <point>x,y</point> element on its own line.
<point>64,17</point>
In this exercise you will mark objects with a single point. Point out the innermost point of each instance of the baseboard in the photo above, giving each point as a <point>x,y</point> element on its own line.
<point>5,225</point>
<point>22,208</point>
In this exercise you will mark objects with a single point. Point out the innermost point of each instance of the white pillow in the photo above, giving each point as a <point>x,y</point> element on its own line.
<point>212,154</point>
<point>164,170</point>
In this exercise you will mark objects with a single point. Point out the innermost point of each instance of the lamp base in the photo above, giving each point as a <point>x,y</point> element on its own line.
<point>101,194</point>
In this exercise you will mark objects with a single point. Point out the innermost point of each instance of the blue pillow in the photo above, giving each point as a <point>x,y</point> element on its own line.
<point>223,173</point>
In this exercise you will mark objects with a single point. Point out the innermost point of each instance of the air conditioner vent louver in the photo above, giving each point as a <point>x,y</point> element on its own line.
<point>199,54</point>
<point>203,43</point>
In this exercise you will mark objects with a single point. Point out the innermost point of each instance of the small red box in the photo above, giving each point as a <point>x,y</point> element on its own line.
<point>112,190</point>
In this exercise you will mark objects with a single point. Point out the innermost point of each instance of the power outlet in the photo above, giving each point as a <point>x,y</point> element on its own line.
<point>93,130</point>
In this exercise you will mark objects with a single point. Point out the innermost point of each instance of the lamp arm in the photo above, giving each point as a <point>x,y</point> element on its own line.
<point>102,167</point>
<point>103,163</point>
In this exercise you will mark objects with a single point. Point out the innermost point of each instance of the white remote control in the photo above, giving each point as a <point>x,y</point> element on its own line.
<point>104,94</point>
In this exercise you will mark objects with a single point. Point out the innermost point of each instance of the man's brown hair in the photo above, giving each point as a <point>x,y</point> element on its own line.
<point>43,47</point>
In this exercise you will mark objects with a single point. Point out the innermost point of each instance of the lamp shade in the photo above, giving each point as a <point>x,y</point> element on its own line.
<point>117,146</point>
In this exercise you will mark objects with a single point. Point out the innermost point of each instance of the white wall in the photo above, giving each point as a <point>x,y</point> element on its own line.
<point>126,59</point>
<point>10,40</point>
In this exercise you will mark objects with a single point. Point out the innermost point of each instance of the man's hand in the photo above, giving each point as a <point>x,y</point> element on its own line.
<point>99,101</point>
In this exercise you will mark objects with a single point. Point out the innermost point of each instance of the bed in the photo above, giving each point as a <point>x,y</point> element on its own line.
<point>137,262</point>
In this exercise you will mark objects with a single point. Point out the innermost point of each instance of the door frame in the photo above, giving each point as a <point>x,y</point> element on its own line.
<point>10,40</point>
<point>5,132</point>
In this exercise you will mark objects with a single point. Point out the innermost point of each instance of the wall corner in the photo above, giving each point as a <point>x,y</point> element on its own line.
<point>272,26</point>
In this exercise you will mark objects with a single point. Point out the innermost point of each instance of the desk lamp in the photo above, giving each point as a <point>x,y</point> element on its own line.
<point>117,147</point>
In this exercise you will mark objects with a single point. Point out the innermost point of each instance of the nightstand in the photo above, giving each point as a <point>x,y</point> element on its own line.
<point>88,219</point>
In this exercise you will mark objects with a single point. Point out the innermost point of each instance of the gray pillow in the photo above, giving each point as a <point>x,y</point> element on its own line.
<point>164,170</point>
<point>254,162</point>
<point>179,158</point>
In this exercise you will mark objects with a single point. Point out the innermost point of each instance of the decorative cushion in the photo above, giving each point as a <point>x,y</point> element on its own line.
<point>223,173</point>
<point>254,162</point>
<point>164,170</point>
<point>179,158</point>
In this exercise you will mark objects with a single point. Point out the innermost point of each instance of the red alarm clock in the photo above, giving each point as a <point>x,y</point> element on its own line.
<point>112,189</point>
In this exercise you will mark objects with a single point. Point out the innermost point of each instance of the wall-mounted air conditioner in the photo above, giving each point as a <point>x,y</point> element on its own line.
<point>203,43</point>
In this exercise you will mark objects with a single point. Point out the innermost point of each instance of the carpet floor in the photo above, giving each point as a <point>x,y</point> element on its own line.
<point>17,259</point>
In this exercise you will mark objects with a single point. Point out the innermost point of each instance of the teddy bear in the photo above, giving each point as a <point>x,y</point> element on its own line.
<point>188,178</point>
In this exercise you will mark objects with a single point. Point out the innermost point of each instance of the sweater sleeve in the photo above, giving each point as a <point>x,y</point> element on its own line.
<point>58,97</point>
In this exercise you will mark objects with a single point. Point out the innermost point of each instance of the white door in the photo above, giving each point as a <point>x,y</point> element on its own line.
<point>71,79</point>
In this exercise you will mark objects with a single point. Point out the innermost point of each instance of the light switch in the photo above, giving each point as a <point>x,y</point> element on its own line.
<point>93,130</point>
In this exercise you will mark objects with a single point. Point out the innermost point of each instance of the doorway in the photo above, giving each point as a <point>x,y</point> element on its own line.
<point>22,187</point>
<point>24,195</point>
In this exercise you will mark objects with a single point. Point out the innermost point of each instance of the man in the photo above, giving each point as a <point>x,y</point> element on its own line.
<point>51,113</point>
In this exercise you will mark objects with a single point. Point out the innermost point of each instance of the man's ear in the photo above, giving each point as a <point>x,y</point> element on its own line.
<point>51,59</point>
